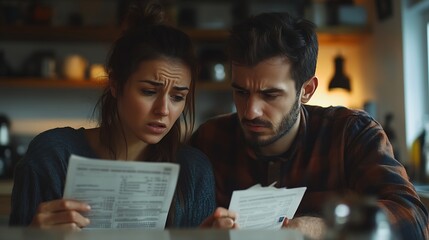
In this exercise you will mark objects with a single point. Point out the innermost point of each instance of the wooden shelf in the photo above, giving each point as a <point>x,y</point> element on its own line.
<point>96,34</point>
<point>342,34</point>
<point>327,35</point>
<point>50,83</point>
<point>43,83</point>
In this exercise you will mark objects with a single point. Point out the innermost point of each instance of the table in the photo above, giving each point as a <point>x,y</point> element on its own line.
<point>131,234</point>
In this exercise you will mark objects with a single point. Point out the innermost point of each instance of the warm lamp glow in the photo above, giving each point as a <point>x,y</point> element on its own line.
<point>340,97</point>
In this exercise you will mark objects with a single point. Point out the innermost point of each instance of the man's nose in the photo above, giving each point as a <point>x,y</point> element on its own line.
<point>253,108</point>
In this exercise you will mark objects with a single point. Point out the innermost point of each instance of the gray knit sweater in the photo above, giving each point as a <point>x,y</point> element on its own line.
<point>40,176</point>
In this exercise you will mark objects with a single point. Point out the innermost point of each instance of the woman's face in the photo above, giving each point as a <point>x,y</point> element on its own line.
<point>153,99</point>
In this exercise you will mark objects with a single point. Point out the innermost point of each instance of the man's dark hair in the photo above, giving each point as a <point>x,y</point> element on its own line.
<point>273,34</point>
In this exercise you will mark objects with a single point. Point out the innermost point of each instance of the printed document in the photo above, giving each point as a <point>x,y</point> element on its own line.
<point>122,194</point>
<point>265,207</point>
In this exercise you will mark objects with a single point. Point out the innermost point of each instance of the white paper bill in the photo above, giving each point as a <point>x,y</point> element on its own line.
<point>122,194</point>
<point>265,207</point>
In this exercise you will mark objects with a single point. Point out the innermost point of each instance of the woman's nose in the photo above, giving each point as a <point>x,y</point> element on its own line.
<point>161,106</point>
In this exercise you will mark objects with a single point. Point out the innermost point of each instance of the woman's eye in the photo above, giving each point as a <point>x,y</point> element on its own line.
<point>147,92</point>
<point>177,98</point>
<point>240,92</point>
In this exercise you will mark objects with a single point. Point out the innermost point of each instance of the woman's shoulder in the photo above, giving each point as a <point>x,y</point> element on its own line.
<point>59,134</point>
<point>54,142</point>
<point>192,157</point>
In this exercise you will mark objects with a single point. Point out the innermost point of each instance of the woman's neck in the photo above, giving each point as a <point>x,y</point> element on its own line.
<point>130,150</point>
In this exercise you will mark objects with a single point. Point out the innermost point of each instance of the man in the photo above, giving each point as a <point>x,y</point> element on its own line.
<point>275,136</point>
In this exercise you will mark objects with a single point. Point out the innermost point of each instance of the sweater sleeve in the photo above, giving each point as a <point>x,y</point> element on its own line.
<point>196,183</point>
<point>39,177</point>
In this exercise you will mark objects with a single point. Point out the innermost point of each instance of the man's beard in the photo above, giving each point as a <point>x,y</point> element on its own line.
<point>285,126</point>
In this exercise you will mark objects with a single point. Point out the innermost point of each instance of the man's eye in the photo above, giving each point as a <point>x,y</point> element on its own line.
<point>148,92</point>
<point>269,96</point>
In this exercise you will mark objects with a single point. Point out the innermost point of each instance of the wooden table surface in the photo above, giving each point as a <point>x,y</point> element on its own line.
<point>131,234</point>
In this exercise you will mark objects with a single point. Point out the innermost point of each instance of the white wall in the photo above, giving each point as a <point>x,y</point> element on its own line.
<point>415,68</point>
<point>383,70</point>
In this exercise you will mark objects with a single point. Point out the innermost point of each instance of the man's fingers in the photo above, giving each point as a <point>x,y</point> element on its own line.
<point>224,213</point>
<point>221,218</point>
<point>224,222</point>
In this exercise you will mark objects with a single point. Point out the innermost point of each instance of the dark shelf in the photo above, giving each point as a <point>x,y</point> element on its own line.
<point>327,35</point>
<point>87,84</point>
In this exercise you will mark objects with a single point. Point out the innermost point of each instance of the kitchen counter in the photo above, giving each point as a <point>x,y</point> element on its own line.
<point>130,234</point>
<point>5,192</point>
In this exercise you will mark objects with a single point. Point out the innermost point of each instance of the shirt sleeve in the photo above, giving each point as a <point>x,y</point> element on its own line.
<point>373,170</point>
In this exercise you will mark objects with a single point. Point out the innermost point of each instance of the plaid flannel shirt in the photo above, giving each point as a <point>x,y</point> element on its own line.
<point>336,151</point>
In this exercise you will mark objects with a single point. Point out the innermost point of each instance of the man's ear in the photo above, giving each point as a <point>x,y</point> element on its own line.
<point>308,89</point>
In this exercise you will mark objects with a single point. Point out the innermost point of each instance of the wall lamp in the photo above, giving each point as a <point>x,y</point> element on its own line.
<point>340,79</point>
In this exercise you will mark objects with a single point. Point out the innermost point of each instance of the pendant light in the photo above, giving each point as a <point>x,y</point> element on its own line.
<point>340,79</point>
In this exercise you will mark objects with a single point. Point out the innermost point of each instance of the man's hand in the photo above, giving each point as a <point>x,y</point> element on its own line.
<point>61,214</point>
<point>312,227</point>
<point>221,218</point>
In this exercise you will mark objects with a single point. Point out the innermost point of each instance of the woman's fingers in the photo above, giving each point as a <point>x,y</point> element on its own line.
<point>62,217</point>
<point>62,205</point>
<point>61,214</point>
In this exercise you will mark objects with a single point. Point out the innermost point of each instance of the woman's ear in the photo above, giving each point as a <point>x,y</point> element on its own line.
<point>113,89</point>
<point>308,89</point>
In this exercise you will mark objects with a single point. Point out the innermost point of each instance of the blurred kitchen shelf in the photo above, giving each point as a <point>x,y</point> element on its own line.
<point>327,35</point>
<point>342,34</point>
<point>50,83</point>
<point>88,84</point>
<point>97,34</point>
<point>214,86</point>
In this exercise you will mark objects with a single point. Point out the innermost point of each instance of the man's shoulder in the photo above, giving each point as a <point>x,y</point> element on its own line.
<point>337,113</point>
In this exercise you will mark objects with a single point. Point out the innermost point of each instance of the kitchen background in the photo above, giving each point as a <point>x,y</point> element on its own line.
<point>51,52</point>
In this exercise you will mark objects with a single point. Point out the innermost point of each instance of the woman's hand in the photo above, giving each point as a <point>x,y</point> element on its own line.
<point>61,213</point>
<point>221,218</point>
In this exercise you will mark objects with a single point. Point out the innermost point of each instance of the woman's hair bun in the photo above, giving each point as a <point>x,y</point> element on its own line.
<point>144,13</point>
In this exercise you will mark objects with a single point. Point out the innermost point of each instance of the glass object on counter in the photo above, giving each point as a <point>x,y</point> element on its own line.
<point>6,150</point>
<point>356,217</point>
<point>5,68</point>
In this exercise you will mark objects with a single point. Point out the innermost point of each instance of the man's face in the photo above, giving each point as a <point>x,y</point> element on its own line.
<point>266,99</point>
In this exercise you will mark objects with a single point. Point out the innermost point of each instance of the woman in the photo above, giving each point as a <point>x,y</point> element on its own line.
<point>151,70</point>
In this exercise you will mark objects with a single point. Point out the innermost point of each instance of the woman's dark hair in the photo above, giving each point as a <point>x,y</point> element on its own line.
<point>276,35</point>
<point>146,37</point>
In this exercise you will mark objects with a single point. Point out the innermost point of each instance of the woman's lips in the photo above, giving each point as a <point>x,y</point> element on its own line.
<point>157,128</point>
